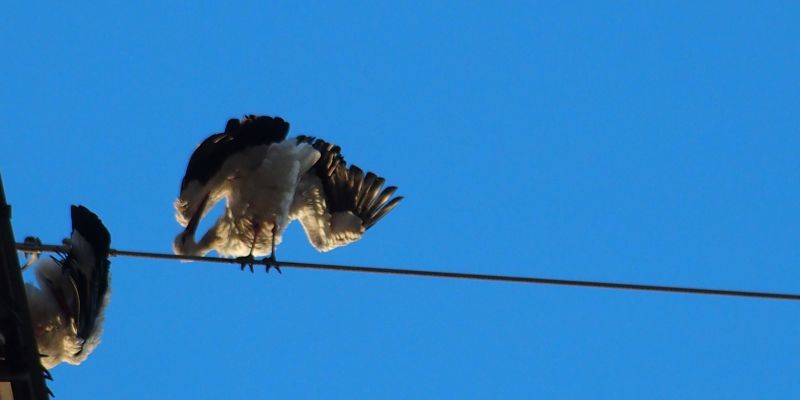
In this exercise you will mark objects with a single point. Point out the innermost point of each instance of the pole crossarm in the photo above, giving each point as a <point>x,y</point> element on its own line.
<point>29,247</point>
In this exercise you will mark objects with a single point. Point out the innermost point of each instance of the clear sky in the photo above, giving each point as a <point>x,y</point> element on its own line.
<point>634,142</point>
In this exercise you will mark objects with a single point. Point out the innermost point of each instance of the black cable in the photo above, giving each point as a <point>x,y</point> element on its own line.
<point>25,247</point>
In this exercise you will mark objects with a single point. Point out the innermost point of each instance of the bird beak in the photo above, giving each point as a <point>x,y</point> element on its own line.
<point>191,227</point>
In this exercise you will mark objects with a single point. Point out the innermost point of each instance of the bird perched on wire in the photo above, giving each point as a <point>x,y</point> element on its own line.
<point>268,180</point>
<point>68,306</point>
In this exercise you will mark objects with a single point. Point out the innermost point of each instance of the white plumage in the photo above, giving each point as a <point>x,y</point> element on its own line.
<point>268,180</point>
<point>68,306</point>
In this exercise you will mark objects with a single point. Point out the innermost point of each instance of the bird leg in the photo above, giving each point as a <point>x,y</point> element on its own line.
<point>194,222</point>
<point>271,261</point>
<point>248,260</point>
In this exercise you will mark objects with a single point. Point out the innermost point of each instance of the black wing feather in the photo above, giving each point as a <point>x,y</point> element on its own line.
<point>350,189</point>
<point>90,282</point>
<point>381,212</point>
<point>253,130</point>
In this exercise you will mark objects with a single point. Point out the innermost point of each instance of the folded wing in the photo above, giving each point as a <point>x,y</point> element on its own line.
<point>87,268</point>
<point>218,158</point>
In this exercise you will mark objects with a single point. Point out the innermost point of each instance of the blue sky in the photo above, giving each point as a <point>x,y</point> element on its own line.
<point>635,142</point>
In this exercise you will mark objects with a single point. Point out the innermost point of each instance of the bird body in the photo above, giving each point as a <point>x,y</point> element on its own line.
<point>68,306</point>
<point>259,199</point>
<point>223,159</point>
<point>269,181</point>
<point>56,332</point>
<point>257,171</point>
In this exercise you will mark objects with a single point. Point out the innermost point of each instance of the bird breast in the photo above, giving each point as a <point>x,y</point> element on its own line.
<point>265,193</point>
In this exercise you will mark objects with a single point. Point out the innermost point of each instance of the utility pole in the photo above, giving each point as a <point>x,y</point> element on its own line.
<point>21,365</point>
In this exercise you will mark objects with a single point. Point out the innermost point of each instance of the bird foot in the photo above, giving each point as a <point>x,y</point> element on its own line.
<point>271,262</point>
<point>247,261</point>
<point>32,256</point>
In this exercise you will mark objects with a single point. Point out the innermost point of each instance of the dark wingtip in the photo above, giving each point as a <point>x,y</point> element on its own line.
<point>89,225</point>
<point>382,212</point>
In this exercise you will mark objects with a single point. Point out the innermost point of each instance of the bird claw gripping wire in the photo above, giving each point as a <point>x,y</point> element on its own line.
<point>32,256</point>
<point>250,262</point>
<point>271,262</point>
<point>246,261</point>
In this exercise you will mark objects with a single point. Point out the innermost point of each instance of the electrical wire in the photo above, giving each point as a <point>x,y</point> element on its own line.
<point>35,248</point>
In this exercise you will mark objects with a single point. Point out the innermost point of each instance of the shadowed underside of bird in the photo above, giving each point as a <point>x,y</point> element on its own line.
<point>269,180</point>
<point>67,307</point>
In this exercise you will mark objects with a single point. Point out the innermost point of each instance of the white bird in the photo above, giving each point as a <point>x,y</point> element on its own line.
<point>268,181</point>
<point>68,306</point>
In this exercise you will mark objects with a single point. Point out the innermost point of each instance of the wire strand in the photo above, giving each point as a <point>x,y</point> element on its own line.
<point>33,248</point>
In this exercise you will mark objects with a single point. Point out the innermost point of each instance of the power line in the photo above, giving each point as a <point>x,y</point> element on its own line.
<point>27,247</point>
